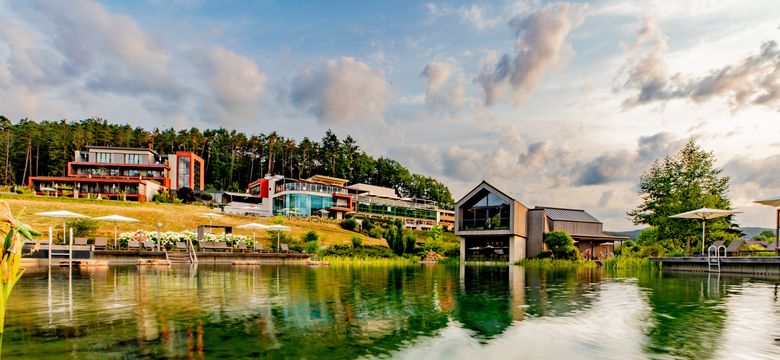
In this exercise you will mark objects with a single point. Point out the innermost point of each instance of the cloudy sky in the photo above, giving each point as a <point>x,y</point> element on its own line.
<point>560,104</point>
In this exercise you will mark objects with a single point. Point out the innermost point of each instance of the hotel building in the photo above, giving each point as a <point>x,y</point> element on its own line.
<point>122,173</point>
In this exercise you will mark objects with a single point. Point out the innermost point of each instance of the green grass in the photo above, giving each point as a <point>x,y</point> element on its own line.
<point>364,261</point>
<point>625,262</point>
<point>554,264</point>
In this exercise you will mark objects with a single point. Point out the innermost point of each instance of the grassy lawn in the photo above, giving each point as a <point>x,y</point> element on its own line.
<point>174,217</point>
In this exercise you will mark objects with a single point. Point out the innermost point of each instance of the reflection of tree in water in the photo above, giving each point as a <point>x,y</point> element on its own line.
<point>560,292</point>
<point>483,303</point>
<point>688,314</point>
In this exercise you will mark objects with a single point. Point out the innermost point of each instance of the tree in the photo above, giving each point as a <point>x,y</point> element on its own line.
<point>561,245</point>
<point>766,235</point>
<point>686,181</point>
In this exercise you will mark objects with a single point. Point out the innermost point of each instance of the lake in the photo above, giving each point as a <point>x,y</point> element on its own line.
<point>418,312</point>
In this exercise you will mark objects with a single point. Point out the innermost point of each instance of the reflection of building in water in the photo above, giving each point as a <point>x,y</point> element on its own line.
<point>484,301</point>
<point>496,227</point>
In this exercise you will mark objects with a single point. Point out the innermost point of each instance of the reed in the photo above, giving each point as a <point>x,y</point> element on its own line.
<point>555,264</point>
<point>13,233</point>
<point>368,261</point>
<point>631,263</point>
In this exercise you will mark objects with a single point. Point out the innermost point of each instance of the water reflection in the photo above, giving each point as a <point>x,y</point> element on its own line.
<point>410,312</point>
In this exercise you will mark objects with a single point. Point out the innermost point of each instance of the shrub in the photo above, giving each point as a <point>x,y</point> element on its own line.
<point>432,245</point>
<point>452,250</point>
<point>277,220</point>
<point>357,242</point>
<point>676,253</point>
<point>654,250</point>
<point>544,254</point>
<point>376,232</point>
<point>349,224</point>
<point>185,194</point>
<point>83,227</point>
<point>312,247</point>
<point>310,236</point>
<point>561,245</point>
<point>206,196</point>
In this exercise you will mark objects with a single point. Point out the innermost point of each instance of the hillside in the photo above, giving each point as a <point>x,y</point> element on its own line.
<point>173,217</point>
<point>750,232</point>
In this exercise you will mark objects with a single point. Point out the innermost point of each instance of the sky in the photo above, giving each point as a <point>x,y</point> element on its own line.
<point>556,103</point>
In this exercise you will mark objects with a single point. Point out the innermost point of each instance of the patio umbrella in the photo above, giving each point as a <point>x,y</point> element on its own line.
<point>775,201</point>
<point>63,214</point>
<point>279,228</point>
<point>704,214</point>
<point>115,219</point>
<point>253,226</point>
<point>211,216</point>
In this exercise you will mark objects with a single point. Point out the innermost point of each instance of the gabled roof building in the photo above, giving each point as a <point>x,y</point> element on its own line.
<point>494,226</point>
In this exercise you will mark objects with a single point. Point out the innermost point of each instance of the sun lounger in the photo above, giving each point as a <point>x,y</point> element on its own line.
<point>148,244</point>
<point>207,245</point>
<point>258,247</point>
<point>133,245</point>
<point>242,247</point>
<point>285,248</point>
<point>101,243</point>
<point>219,245</point>
<point>80,241</point>
<point>181,246</point>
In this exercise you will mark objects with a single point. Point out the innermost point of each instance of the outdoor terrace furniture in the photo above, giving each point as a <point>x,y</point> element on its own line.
<point>101,243</point>
<point>80,241</point>
<point>242,247</point>
<point>181,245</point>
<point>206,245</point>
<point>285,248</point>
<point>133,245</point>
<point>148,244</point>
<point>258,247</point>
<point>219,245</point>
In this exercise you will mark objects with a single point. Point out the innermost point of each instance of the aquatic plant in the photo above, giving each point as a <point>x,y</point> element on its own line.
<point>625,262</point>
<point>14,233</point>
<point>550,263</point>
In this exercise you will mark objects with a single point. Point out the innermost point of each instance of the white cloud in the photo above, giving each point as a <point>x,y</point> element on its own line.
<point>540,42</point>
<point>235,82</point>
<point>439,97</point>
<point>342,90</point>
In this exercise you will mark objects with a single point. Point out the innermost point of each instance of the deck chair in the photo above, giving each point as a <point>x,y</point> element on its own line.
<point>80,241</point>
<point>285,248</point>
<point>149,244</point>
<point>181,246</point>
<point>242,247</point>
<point>207,245</point>
<point>220,245</point>
<point>133,245</point>
<point>101,243</point>
<point>258,247</point>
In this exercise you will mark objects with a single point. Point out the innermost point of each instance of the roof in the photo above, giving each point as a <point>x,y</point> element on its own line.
<point>601,237</point>
<point>469,194</point>
<point>561,214</point>
<point>735,245</point>
<point>330,180</point>
<point>120,148</point>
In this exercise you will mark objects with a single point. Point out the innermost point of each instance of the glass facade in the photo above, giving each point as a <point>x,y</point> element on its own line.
<point>104,157</point>
<point>183,172</point>
<point>196,171</point>
<point>485,211</point>
<point>132,159</point>
<point>301,204</point>
<point>379,209</point>
<point>303,186</point>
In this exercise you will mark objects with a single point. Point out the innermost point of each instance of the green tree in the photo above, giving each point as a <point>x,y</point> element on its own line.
<point>561,245</point>
<point>686,181</point>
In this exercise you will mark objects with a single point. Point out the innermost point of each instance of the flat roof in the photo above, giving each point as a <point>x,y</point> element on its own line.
<point>563,214</point>
<point>328,180</point>
<point>88,147</point>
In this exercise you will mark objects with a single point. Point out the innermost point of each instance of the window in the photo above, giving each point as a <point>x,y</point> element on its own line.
<point>196,172</point>
<point>132,159</point>
<point>183,176</point>
<point>485,211</point>
<point>104,157</point>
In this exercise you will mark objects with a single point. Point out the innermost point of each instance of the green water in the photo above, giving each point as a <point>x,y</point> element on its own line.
<point>428,312</point>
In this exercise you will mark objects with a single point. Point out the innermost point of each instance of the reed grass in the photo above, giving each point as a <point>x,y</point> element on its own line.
<point>368,261</point>
<point>631,263</point>
<point>556,264</point>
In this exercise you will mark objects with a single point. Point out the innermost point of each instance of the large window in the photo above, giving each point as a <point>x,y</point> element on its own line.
<point>183,176</point>
<point>301,204</point>
<point>104,158</point>
<point>196,172</point>
<point>132,159</point>
<point>485,211</point>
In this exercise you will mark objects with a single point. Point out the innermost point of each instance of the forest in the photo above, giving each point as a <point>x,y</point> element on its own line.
<point>232,158</point>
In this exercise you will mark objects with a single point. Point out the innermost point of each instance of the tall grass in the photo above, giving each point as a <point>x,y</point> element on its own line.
<point>368,261</point>
<point>13,233</point>
<point>555,264</point>
<point>631,263</point>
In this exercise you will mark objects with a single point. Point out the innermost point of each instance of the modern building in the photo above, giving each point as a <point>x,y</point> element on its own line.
<point>122,173</point>
<point>496,227</point>
<point>327,196</point>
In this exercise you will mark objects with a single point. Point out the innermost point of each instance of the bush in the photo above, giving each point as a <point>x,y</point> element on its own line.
<point>544,254</point>
<point>676,253</point>
<point>654,250</point>
<point>349,224</point>
<point>370,251</point>
<point>206,197</point>
<point>185,194</point>
<point>83,227</point>
<point>452,250</point>
<point>310,236</point>
<point>357,242</point>
<point>312,247</point>
<point>376,232</point>
<point>436,246</point>
<point>561,245</point>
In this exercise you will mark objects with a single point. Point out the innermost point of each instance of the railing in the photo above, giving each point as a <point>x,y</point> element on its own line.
<point>191,252</point>
<point>713,257</point>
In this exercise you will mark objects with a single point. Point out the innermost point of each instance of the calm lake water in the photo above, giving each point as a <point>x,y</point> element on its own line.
<point>427,312</point>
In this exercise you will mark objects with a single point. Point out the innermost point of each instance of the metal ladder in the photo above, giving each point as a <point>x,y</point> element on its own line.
<point>713,257</point>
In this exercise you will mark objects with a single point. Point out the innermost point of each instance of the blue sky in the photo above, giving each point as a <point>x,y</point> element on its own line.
<point>560,104</point>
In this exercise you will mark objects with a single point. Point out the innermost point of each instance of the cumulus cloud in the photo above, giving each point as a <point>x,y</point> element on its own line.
<point>439,97</point>
<point>761,172</point>
<point>540,41</point>
<point>755,80</point>
<point>477,16</point>
<point>235,82</point>
<point>627,164</point>
<point>342,90</point>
